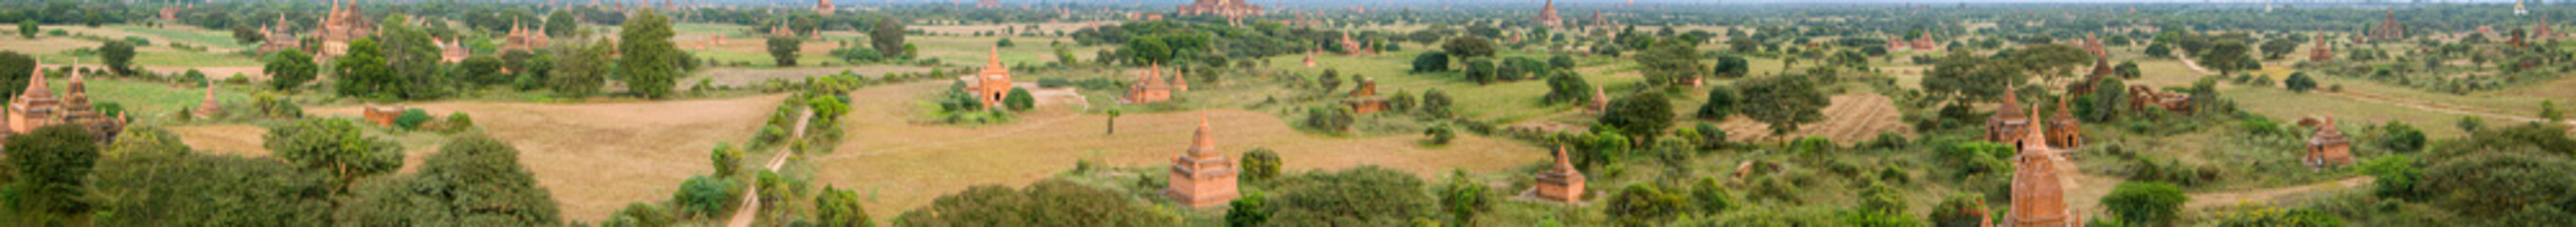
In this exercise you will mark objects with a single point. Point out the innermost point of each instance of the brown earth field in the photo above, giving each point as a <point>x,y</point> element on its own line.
<point>903,165</point>
<point>594,157</point>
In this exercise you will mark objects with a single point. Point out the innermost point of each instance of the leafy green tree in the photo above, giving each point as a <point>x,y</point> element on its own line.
<point>651,62</point>
<point>15,70</point>
<point>412,58</point>
<point>783,50</point>
<point>706,196</point>
<point>561,23</point>
<point>2299,82</point>
<point>1046,203</point>
<point>1430,62</point>
<point>2051,60</point>
<point>48,169</point>
<point>1248,211</point>
<point>363,71</point>
<point>1730,66</point>
<point>1669,63</point>
<point>118,55</point>
<point>2549,110</point>
<point>1483,71</point>
<point>2146,203</point>
<point>1468,47</point>
<point>2497,184</point>
<point>2159,50</point>
<point>1961,76</point>
<point>146,165</point>
<point>1435,103</point>
<point>582,70</point>
<point>2221,53</point>
<point>1644,205</point>
<point>841,208</point>
<point>887,36</point>
<point>1463,197</point>
<point>1113,121</point>
<point>2127,70</point>
<point>335,146</point>
<point>1260,164</point>
<point>639,215</point>
<point>1642,115</point>
<point>27,28</point>
<point>1566,87</point>
<point>290,69</point>
<point>1560,62</point>
<point>1721,103</point>
<point>483,70</point>
<point>1712,198</point>
<point>471,181</point>
<point>2394,176</point>
<point>1784,102</point>
<point>1020,100</point>
<point>1148,50</point>
<point>1880,205</point>
<point>1330,80</point>
<point>2277,47</point>
<point>727,159</point>
<point>1355,196</point>
<point>2401,138</point>
<point>1440,134</point>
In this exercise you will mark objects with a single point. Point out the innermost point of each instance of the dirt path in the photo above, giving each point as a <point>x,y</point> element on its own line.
<point>2366,97</point>
<point>751,198</point>
<point>2214,199</point>
<point>2195,66</point>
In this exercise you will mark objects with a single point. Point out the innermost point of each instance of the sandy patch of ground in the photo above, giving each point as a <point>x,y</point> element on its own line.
<point>1851,119</point>
<point>241,140</point>
<point>902,165</point>
<point>597,157</point>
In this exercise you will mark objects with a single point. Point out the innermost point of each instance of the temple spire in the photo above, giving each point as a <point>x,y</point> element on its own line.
<point>1204,140</point>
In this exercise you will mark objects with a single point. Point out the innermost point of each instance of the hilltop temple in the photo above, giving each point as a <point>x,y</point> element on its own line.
<point>1200,176</point>
<point>988,4</point>
<point>2038,199</point>
<point>1547,16</point>
<point>1561,183</point>
<point>1233,10</point>
<point>994,82</point>
<point>825,7</point>
<point>37,107</point>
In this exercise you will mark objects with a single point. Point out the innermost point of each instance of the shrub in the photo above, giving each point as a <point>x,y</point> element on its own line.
<point>1440,134</point>
<point>1020,100</point>
<point>1260,164</point>
<point>2146,203</point>
<point>706,196</point>
<point>1643,205</point>
<point>1964,209</point>
<point>411,119</point>
<point>458,122</point>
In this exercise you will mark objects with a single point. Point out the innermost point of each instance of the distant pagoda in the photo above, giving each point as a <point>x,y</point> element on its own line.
<point>2389,29</point>
<point>1547,16</point>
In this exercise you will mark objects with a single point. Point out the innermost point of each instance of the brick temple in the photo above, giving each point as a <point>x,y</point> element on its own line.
<point>208,108</point>
<point>2007,123</point>
<point>1547,16</point>
<point>37,107</point>
<point>1149,87</point>
<point>1364,99</point>
<point>344,23</point>
<point>1201,176</point>
<point>994,82</point>
<point>522,39</point>
<point>1233,10</point>
<point>2327,147</point>
<point>2038,198</point>
<point>2321,52</point>
<point>1561,183</point>
<point>2389,29</point>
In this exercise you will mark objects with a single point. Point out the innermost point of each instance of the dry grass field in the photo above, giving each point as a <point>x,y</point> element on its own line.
<point>900,165</point>
<point>594,157</point>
